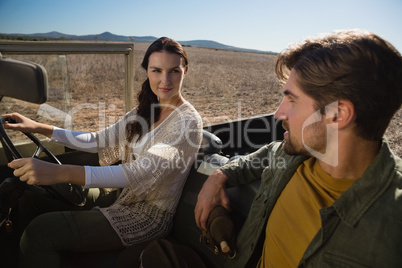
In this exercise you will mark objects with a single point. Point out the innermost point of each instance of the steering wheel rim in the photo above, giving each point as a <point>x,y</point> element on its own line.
<point>56,190</point>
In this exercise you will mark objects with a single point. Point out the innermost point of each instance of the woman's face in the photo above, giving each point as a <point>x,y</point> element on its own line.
<point>166,72</point>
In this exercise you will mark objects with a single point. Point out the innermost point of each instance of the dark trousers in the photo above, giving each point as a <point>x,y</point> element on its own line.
<point>53,226</point>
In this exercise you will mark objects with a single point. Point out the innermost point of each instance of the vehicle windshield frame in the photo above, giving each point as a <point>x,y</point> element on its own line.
<point>8,48</point>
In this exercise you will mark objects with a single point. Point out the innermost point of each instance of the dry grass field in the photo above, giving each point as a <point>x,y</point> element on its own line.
<point>222,85</point>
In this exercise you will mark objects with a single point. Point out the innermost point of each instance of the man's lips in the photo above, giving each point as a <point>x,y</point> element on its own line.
<point>286,128</point>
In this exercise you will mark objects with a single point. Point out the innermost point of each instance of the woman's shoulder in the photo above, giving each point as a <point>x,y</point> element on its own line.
<point>129,116</point>
<point>188,110</point>
<point>184,116</point>
<point>186,105</point>
<point>132,111</point>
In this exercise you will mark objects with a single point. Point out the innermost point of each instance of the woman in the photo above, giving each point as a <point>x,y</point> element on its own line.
<point>157,143</point>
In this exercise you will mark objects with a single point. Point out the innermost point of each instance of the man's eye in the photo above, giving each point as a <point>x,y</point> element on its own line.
<point>289,98</point>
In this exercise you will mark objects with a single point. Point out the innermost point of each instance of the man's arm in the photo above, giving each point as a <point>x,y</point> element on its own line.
<point>212,193</point>
<point>241,171</point>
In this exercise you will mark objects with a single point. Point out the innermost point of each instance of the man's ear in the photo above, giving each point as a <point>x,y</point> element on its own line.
<point>346,114</point>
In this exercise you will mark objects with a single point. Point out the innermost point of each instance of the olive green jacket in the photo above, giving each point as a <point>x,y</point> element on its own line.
<point>363,228</point>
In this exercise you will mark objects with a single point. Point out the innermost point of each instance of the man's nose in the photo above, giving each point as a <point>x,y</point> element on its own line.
<point>279,113</point>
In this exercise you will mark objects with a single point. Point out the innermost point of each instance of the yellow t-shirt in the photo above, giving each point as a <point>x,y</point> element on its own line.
<point>295,219</point>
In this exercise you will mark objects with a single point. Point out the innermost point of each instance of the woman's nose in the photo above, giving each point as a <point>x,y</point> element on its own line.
<point>166,78</point>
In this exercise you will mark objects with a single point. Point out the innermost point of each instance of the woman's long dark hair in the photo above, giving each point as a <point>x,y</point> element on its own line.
<point>147,108</point>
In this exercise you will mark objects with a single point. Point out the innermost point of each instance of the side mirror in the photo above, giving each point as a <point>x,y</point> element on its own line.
<point>23,80</point>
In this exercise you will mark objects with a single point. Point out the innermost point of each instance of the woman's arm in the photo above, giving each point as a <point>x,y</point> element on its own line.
<point>105,177</point>
<point>81,141</point>
<point>27,125</point>
<point>37,172</point>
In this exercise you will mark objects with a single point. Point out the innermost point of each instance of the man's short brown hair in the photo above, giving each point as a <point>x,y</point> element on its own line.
<point>356,65</point>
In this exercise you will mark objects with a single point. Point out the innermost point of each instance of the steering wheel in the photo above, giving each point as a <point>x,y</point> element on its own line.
<point>67,192</point>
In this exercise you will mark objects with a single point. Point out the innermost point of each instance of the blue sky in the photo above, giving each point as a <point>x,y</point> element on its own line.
<point>260,24</point>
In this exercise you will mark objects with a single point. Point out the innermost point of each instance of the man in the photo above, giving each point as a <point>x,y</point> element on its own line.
<point>331,191</point>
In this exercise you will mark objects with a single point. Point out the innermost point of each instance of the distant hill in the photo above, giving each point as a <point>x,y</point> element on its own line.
<point>107,36</point>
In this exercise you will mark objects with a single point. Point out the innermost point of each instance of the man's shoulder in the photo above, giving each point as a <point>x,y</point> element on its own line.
<point>398,164</point>
<point>390,202</point>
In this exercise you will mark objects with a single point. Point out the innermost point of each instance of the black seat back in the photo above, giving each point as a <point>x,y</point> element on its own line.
<point>23,80</point>
<point>185,230</point>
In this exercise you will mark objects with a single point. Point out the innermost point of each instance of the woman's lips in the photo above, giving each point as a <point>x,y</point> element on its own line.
<point>163,89</point>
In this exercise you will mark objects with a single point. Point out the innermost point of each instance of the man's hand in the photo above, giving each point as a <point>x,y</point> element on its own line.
<point>211,194</point>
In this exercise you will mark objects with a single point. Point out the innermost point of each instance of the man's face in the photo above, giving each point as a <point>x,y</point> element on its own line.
<point>295,109</point>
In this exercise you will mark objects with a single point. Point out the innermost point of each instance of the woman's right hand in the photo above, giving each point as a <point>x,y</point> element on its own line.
<point>24,124</point>
<point>37,172</point>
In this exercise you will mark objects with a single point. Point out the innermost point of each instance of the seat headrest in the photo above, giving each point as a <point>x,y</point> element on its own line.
<point>23,80</point>
<point>210,144</point>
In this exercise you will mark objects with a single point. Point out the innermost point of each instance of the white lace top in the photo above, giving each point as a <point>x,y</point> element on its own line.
<point>156,175</point>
